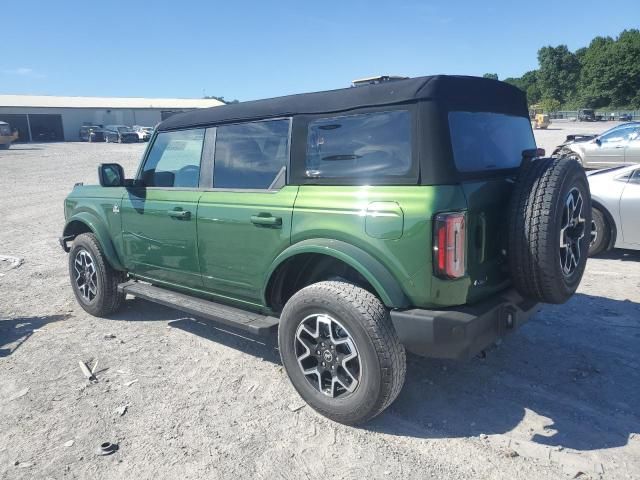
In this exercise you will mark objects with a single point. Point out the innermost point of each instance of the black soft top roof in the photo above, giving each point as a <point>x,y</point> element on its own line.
<point>453,93</point>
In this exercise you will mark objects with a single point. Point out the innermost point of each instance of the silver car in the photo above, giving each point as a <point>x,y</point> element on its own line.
<point>615,195</point>
<point>617,146</point>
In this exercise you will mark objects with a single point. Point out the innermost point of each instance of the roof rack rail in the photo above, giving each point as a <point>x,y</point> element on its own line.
<point>378,79</point>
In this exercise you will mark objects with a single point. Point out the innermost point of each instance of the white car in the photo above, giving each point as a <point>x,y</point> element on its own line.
<point>144,133</point>
<point>615,194</point>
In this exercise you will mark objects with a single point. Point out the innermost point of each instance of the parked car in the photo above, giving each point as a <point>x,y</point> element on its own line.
<point>625,117</point>
<point>619,145</point>
<point>359,222</point>
<point>91,133</point>
<point>615,195</point>
<point>119,134</point>
<point>144,133</point>
<point>586,115</point>
<point>7,136</point>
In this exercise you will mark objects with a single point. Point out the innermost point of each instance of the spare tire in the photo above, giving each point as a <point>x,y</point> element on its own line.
<point>549,229</point>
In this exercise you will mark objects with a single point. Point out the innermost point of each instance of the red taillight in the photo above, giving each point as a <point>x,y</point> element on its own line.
<point>449,245</point>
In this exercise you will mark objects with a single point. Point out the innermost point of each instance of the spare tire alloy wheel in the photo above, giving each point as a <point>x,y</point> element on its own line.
<point>327,355</point>
<point>549,214</point>
<point>572,232</point>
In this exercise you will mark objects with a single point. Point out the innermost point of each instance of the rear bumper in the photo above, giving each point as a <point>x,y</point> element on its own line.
<point>461,332</point>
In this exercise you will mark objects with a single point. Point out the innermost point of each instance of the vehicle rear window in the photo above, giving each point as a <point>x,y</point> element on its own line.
<point>364,145</point>
<point>484,141</point>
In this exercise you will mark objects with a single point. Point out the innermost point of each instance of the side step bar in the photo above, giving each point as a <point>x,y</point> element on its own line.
<point>250,322</point>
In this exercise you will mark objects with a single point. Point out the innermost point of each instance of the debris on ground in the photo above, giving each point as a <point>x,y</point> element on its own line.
<point>294,407</point>
<point>107,448</point>
<point>68,443</point>
<point>86,372</point>
<point>122,410</point>
<point>128,384</point>
<point>20,394</point>
<point>109,336</point>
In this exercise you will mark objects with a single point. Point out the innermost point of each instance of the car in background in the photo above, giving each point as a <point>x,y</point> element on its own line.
<point>625,117</point>
<point>7,136</point>
<point>120,134</point>
<point>615,200</point>
<point>617,146</point>
<point>91,133</point>
<point>586,115</point>
<point>144,133</point>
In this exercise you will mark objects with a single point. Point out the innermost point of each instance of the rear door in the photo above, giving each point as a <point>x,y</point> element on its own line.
<point>632,152</point>
<point>159,218</point>
<point>244,221</point>
<point>487,149</point>
<point>630,210</point>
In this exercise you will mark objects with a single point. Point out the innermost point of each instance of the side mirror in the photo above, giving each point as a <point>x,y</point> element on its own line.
<point>111,175</point>
<point>598,141</point>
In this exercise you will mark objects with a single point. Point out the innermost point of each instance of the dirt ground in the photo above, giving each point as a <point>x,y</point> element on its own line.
<point>185,399</point>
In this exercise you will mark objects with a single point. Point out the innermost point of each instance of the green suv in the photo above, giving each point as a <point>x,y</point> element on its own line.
<point>411,215</point>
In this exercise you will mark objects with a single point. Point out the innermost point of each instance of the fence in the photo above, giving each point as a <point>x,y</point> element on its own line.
<point>600,114</point>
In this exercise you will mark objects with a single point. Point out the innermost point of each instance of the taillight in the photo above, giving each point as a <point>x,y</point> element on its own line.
<point>449,245</point>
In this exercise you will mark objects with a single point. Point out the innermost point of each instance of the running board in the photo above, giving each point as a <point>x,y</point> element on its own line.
<point>234,317</point>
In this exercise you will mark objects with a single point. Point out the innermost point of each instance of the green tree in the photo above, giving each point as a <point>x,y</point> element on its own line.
<point>550,105</point>
<point>493,76</point>
<point>558,73</point>
<point>528,83</point>
<point>221,99</point>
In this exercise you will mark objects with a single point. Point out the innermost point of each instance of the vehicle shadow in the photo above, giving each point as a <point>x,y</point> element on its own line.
<point>569,377</point>
<point>620,254</point>
<point>264,347</point>
<point>15,331</point>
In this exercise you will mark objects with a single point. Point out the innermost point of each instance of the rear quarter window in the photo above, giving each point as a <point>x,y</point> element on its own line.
<point>362,146</point>
<point>485,141</point>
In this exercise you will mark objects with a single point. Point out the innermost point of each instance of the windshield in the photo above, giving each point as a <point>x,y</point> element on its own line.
<point>124,129</point>
<point>484,141</point>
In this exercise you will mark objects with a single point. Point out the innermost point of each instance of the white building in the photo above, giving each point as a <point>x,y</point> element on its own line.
<point>48,118</point>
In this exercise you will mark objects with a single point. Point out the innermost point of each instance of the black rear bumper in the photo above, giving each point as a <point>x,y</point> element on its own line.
<point>461,332</point>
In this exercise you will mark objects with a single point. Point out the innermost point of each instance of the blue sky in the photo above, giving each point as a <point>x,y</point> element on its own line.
<point>255,49</point>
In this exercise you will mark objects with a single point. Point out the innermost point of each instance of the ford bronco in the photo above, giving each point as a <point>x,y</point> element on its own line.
<point>413,214</point>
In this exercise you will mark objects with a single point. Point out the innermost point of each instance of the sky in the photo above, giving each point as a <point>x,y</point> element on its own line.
<point>246,50</point>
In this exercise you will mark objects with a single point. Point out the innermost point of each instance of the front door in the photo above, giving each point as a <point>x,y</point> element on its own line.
<point>609,149</point>
<point>244,222</point>
<point>159,217</point>
<point>630,210</point>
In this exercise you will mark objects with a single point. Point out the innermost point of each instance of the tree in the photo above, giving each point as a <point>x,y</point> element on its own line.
<point>558,73</point>
<point>492,76</point>
<point>221,99</point>
<point>550,105</point>
<point>528,83</point>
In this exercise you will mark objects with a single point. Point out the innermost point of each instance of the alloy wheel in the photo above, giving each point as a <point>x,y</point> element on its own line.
<point>572,232</point>
<point>86,275</point>
<point>327,356</point>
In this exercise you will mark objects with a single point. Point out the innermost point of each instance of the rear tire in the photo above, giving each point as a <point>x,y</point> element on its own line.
<point>362,351</point>
<point>94,281</point>
<point>600,233</point>
<point>549,229</point>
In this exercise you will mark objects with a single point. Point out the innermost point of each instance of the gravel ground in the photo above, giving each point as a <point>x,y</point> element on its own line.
<point>185,399</point>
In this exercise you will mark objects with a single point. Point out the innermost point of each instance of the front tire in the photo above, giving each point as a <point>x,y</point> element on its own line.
<point>94,281</point>
<point>341,352</point>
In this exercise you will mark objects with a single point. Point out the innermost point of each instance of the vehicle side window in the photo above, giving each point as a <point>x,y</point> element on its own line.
<point>618,135</point>
<point>174,160</point>
<point>250,155</point>
<point>635,177</point>
<point>363,145</point>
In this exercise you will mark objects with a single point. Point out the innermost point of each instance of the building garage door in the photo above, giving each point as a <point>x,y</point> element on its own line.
<point>17,122</point>
<point>46,128</point>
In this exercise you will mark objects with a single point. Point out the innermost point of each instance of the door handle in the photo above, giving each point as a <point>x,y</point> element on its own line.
<point>182,214</point>
<point>266,220</point>
<point>620,146</point>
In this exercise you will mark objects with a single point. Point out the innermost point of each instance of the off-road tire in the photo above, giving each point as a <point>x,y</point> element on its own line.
<point>107,300</point>
<point>535,217</point>
<point>367,321</point>
<point>603,233</point>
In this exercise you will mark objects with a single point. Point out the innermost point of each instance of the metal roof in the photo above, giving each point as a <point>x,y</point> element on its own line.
<point>104,102</point>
